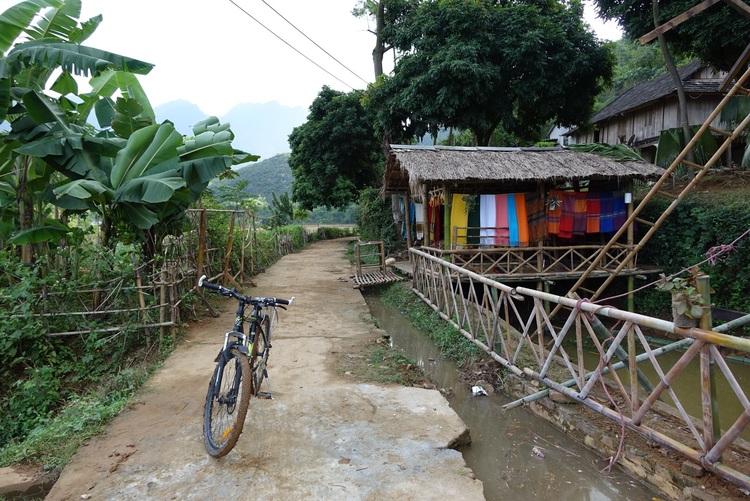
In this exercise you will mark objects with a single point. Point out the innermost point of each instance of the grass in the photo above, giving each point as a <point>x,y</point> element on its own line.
<point>381,364</point>
<point>452,344</point>
<point>53,443</point>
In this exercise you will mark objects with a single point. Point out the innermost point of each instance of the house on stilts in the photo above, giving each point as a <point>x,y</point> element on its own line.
<point>516,214</point>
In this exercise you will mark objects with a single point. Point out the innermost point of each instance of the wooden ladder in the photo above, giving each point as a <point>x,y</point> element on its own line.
<point>701,171</point>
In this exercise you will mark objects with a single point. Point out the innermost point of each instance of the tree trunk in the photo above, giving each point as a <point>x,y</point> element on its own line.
<point>682,111</point>
<point>25,205</point>
<point>379,51</point>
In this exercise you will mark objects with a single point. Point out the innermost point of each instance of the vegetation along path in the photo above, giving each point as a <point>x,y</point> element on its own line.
<point>321,436</point>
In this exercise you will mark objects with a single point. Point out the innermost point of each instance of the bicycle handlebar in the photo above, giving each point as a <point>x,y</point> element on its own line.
<point>267,301</point>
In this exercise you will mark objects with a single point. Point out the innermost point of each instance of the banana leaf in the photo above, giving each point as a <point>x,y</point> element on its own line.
<point>49,232</point>
<point>153,189</point>
<point>146,148</point>
<point>14,20</point>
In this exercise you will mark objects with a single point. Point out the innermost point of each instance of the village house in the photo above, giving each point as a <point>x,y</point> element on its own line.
<point>638,115</point>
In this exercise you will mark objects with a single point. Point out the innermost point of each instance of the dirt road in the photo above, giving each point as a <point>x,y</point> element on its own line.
<point>321,437</point>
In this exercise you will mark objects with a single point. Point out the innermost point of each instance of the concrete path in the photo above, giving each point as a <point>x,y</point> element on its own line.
<point>321,437</point>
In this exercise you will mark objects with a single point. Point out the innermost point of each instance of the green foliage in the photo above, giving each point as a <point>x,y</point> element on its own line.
<point>618,152</point>
<point>335,153</point>
<point>451,343</point>
<point>672,142</point>
<point>477,65</point>
<point>715,35</point>
<point>375,220</point>
<point>700,222</point>
<point>282,210</point>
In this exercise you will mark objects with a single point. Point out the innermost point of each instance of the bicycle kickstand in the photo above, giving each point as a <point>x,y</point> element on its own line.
<point>268,395</point>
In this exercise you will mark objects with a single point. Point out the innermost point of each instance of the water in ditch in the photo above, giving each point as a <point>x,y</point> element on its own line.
<point>506,446</point>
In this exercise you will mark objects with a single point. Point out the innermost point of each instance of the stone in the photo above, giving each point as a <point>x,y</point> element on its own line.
<point>609,441</point>
<point>14,482</point>
<point>698,494</point>
<point>691,469</point>
<point>560,398</point>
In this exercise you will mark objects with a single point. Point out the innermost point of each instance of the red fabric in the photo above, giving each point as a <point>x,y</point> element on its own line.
<point>567,215</point>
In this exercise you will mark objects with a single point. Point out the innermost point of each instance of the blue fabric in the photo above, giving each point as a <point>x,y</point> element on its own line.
<point>513,221</point>
<point>403,217</point>
<point>413,220</point>
<point>607,217</point>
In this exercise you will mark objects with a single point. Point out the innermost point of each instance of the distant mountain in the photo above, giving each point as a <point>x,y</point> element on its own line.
<point>265,177</point>
<point>261,129</point>
<point>183,114</point>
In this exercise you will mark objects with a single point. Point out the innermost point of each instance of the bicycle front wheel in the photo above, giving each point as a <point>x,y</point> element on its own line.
<point>226,404</point>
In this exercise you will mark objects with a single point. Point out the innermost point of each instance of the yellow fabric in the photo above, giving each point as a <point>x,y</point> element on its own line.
<point>459,218</point>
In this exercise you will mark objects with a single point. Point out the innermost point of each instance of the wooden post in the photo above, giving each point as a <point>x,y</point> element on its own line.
<point>631,242</point>
<point>141,298</point>
<point>358,258</point>
<point>711,428</point>
<point>407,216</point>
<point>172,301</point>
<point>162,300</point>
<point>447,221</point>
<point>253,248</point>
<point>228,251</point>
<point>201,259</point>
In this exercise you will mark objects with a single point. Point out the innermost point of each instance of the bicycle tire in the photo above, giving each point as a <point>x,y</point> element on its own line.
<point>260,353</point>
<point>235,408</point>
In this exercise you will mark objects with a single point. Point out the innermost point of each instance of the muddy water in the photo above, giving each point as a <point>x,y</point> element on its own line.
<point>502,442</point>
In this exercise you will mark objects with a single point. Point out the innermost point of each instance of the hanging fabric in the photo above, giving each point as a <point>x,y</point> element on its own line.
<point>579,214</point>
<point>523,220</point>
<point>567,215</point>
<point>459,219</point>
<point>537,222</point>
<point>502,234</point>
<point>439,222</point>
<point>429,230</point>
<point>620,211</point>
<point>593,212</point>
<point>607,218</point>
<point>487,217</point>
<point>554,212</point>
<point>474,220</point>
<point>419,226</point>
<point>512,221</point>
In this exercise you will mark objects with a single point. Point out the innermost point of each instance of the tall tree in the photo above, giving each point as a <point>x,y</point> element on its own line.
<point>335,152</point>
<point>386,15</point>
<point>482,64</point>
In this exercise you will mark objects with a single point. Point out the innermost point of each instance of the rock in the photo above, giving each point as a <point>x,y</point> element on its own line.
<point>429,386</point>
<point>537,452</point>
<point>559,398</point>
<point>697,493</point>
<point>19,483</point>
<point>485,386</point>
<point>691,469</point>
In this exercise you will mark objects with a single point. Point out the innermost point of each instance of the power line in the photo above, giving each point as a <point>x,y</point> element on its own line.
<point>313,41</point>
<point>295,49</point>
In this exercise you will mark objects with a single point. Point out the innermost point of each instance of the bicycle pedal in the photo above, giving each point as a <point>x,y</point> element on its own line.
<point>265,395</point>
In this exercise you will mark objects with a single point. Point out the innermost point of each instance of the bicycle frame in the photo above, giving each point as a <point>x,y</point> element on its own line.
<point>244,343</point>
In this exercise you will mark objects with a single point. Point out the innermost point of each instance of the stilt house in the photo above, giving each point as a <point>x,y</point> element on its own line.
<point>514,213</point>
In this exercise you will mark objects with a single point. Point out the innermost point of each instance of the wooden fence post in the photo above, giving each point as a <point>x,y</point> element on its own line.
<point>228,252</point>
<point>173,301</point>
<point>201,244</point>
<point>711,428</point>
<point>162,301</point>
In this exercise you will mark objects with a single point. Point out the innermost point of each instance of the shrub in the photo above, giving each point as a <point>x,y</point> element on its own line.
<point>375,219</point>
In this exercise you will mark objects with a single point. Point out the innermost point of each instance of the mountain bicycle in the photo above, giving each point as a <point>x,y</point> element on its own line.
<point>241,367</point>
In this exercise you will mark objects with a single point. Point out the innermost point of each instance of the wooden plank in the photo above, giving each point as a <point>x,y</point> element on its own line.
<point>740,7</point>
<point>677,20</point>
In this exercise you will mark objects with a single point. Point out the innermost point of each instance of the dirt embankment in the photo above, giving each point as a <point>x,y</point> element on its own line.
<point>322,436</point>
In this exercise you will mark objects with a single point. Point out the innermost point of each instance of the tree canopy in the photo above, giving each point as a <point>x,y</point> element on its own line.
<point>482,64</point>
<point>334,153</point>
<point>717,36</point>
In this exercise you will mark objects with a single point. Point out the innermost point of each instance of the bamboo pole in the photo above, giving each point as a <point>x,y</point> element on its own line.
<point>228,250</point>
<point>172,300</point>
<point>407,216</point>
<point>200,261</point>
<point>709,400</point>
<point>162,300</point>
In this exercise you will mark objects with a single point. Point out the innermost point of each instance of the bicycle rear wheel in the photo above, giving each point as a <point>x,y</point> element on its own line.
<point>259,357</point>
<point>226,403</point>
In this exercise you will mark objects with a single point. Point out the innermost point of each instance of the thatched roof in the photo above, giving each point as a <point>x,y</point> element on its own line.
<point>413,165</point>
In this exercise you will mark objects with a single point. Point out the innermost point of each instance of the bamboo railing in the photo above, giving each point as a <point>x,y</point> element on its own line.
<point>513,326</point>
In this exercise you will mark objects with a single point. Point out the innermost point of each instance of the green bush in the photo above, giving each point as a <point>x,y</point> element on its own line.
<point>375,219</point>
<point>700,222</point>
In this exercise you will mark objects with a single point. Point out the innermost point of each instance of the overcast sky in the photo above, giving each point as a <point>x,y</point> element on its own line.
<point>210,53</point>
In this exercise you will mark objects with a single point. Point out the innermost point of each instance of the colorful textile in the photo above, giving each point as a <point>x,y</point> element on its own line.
<point>593,213</point>
<point>620,211</point>
<point>579,214</point>
<point>523,220</point>
<point>459,219</point>
<point>537,222</point>
<point>473,220</point>
<point>607,218</point>
<point>429,229</point>
<point>554,212</point>
<point>419,218</point>
<point>513,221</point>
<point>567,215</point>
<point>487,215</point>
<point>439,222</point>
<point>502,235</point>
